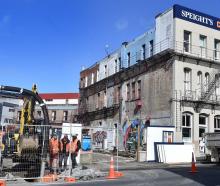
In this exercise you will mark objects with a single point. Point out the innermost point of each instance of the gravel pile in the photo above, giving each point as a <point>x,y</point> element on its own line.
<point>83,173</point>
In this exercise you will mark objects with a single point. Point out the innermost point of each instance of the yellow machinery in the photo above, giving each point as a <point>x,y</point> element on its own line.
<point>33,140</point>
<point>27,113</point>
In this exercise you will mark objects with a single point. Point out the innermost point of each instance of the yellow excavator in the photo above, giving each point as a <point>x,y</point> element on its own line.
<point>33,140</point>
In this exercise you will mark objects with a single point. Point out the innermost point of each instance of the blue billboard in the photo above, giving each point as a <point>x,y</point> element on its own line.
<point>196,17</point>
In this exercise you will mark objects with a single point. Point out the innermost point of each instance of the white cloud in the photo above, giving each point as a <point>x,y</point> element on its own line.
<point>121,24</point>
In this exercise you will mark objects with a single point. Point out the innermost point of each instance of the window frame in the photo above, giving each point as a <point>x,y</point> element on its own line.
<point>187,44</point>
<point>65,116</point>
<point>139,89</point>
<point>217,129</point>
<point>216,49</point>
<point>53,115</point>
<point>187,81</point>
<point>189,138</point>
<point>144,51</point>
<point>128,94</point>
<point>129,59</point>
<point>203,126</point>
<point>203,39</point>
<point>151,47</point>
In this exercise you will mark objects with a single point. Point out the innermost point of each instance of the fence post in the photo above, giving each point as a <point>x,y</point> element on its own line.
<point>117,146</point>
<point>43,163</point>
<point>70,160</point>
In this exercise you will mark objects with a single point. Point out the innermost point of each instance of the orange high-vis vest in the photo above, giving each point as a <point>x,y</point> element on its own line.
<point>73,146</point>
<point>54,146</point>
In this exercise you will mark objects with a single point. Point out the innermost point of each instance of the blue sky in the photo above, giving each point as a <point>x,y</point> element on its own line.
<point>48,41</point>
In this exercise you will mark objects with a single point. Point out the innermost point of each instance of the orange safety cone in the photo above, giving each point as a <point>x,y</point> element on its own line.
<point>112,174</point>
<point>193,165</point>
<point>70,179</point>
<point>119,174</point>
<point>49,178</point>
<point>2,183</point>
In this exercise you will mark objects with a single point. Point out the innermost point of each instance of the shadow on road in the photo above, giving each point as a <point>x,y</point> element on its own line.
<point>206,175</point>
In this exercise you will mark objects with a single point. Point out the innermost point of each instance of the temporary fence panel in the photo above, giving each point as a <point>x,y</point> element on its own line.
<point>27,163</point>
<point>72,129</point>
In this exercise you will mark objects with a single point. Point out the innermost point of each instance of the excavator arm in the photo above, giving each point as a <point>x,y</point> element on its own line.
<point>30,98</point>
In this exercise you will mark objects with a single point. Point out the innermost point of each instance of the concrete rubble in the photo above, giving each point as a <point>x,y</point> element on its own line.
<point>84,173</point>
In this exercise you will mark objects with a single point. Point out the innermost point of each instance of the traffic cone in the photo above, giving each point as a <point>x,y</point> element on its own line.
<point>118,174</point>
<point>193,165</point>
<point>111,174</point>
<point>2,183</point>
<point>70,179</point>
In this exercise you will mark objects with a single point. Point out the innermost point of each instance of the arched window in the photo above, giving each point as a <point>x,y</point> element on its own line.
<point>187,118</point>
<point>207,79</point>
<point>187,81</point>
<point>199,82</point>
<point>217,123</point>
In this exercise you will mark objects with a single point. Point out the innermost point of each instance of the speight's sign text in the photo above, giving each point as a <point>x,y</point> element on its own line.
<point>196,17</point>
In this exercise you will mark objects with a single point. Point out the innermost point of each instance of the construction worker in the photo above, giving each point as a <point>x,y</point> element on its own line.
<point>54,153</point>
<point>75,146</point>
<point>64,151</point>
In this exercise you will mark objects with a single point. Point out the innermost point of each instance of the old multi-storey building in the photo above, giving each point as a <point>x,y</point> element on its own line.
<point>8,110</point>
<point>62,107</point>
<point>172,81</point>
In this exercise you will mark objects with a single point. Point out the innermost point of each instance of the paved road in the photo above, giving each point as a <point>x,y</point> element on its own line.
<point>207,175</point>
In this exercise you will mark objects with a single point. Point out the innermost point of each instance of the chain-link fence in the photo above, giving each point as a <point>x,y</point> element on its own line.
<point>72,150</point>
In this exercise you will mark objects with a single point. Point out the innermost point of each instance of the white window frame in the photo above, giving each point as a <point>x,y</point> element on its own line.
<point>97,76</point>
<point>92,78</point>
<point>203,126</point>
<point>216,49</point>
<point>203,45</point>
<point>86,81</point>
<point>199,83</point>
<point>217,123</point>
<point>217,88</point>
<point>187,43</point>
<point>188,82</point>
<point>207,80</point>
<point>53,115</point>
<point>185,114</point>
<point>65,115</point>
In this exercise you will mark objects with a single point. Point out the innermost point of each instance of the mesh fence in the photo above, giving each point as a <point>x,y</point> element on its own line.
<point>71,150</point>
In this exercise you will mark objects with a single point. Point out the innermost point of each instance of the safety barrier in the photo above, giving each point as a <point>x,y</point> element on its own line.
<point>22,155</point>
